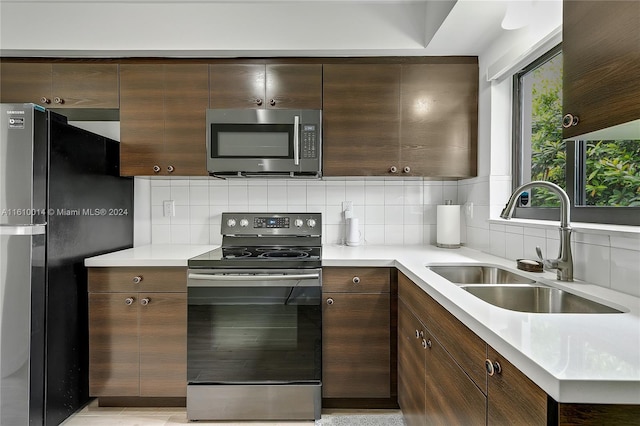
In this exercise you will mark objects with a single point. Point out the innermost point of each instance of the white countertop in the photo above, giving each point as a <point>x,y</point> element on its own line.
<point>575,358</point>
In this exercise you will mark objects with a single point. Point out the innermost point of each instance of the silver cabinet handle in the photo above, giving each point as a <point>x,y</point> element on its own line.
<point>137,279</point>
<point>492,367</point>
<point>329,301</point>
<point>156,168</point>
<point>129,301</point>
<point>393,169</point>
<point>258,101</point>
<point>407,169</point>
<point>58,100</point>
<point>45,100</point>
<point>570,120</point>
<point>296,140</point>
<point>272,102</point>
<point>170,169</point>
<point>426,343</point>
<point>356,280</point>
<point>145,301</point>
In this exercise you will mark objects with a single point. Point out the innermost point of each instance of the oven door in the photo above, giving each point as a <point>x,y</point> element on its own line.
<point>252,327</point>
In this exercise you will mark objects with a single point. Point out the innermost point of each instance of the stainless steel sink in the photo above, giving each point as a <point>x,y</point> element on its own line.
<point>479,274</point>
<point>537,299</point>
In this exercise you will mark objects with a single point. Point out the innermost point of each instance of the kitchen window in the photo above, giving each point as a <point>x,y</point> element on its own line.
<point>601,177</point>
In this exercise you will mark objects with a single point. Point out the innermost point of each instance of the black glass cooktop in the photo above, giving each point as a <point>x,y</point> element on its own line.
<point>262,256</point>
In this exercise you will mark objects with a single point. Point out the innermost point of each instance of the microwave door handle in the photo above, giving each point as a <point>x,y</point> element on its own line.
<point>296,140</point>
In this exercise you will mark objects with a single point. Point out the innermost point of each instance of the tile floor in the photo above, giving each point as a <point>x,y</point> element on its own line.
<point>92,415</point>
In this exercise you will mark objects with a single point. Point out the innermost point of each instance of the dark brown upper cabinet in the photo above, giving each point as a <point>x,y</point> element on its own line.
<point>401,119</point>
<point>601,54</point>
<point>259,86</point>
<point>60,85</point>
<point>162,119</point>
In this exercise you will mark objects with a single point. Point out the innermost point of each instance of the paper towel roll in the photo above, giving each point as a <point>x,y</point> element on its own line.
<point>448,226</point>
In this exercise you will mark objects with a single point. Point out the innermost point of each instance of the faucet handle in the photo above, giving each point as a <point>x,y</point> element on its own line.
<point>546,263</point>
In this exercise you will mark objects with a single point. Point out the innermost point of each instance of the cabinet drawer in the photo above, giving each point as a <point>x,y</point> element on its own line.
<point>469,350</point>
<point>170,279</point>
<point>356,280</point>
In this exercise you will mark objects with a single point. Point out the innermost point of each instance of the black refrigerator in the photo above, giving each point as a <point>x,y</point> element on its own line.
<point>61,200</point>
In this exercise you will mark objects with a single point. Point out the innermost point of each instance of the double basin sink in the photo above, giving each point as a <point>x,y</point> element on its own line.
<point>509,290</point>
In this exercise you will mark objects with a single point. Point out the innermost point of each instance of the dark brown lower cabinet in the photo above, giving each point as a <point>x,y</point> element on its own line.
<point>356,350</point>
<point>137,338</point>
<point>432,388</point>
<point>358,338</point>
<point>411,368</point>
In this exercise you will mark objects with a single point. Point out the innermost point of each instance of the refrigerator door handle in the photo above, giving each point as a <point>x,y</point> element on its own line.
<point>22,229</point>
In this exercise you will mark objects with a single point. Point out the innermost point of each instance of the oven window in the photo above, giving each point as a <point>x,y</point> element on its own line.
<point>255,140</point>
<point>253,335</point>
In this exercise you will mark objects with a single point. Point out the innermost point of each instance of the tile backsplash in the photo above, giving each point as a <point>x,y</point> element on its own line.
<point>607,259</point>
<point>390,211</point>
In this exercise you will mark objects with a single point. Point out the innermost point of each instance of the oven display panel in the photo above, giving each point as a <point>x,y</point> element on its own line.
<point>271,222</point>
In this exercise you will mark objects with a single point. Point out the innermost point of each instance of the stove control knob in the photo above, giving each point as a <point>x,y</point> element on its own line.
<point>298,223</point>
<point>231,223</point>
<point>311,223</point>
<point>244,223</point>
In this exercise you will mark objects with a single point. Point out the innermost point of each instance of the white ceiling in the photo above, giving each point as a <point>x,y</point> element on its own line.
<point>201,28</point>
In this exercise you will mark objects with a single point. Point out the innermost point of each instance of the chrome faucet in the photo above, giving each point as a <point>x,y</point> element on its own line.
<point>564,263</point>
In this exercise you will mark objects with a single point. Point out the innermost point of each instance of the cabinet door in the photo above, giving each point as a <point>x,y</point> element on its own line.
<point>186,96</point>
<point>294,86</point>
<point>601,56</point>
<point>355,346</point>
<point>26,82</point>
<point>85,86</point>
<point>141,119</point>
<point>113,344</point>
<point>439,120</point>
<point>513,397</point>
<point>361,119</point>
<point>452,398</point>
<point>411,368</point>
<point>237,85</point>
<point>163,344</point>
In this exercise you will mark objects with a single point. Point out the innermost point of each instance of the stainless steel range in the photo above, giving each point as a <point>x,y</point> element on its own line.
<point>255,320</point>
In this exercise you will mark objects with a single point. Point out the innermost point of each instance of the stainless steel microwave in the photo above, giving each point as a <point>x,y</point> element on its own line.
<point>264,143</point>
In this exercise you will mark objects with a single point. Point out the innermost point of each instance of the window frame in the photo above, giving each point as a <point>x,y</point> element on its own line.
<point>576,159</point>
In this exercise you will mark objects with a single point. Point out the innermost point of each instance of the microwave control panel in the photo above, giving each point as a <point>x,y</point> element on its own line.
<point>309,144</point>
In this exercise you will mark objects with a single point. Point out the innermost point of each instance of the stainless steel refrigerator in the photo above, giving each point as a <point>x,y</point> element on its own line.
<point>61,200</point>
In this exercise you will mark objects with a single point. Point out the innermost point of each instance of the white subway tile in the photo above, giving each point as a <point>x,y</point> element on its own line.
<point>199,215</point>
<point>180,234</point>
<point>355,193</point>
<point>316,195</point>
<point>414,215</point>
<point>374,195</point>
<point>497,243</point>
<point>257,195</point>
<point>333,215</point>
<point>276,195</point>
<point>393,234</point>
<point>591,263</point>
<point>158,217</point>
<point>393,195</point>
<point>429,235</point>
<point>530,244</point>
<point>629,243</point>
<point>160,234</point>
<point>199,195</point>
<point>394,215</point>
<point>413,234</point>
<point>374,234</point>
<point>199,234</point>
<point>180,195</point>
<point>413,195</point>
<point>433,193</point>
<point>181,216</point>
<point>219,194</point>
<point>625,271</point>
<point>514,246</point>
<point>159,194</point>
<point>335,195</point>
<point>374,215</point>
<point>297,194</point>
<point>179,181</point>
<point>215,237</point>
<point>333,234</point>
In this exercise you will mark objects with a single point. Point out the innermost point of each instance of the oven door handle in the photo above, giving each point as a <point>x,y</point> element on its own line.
<point>249,277</point>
